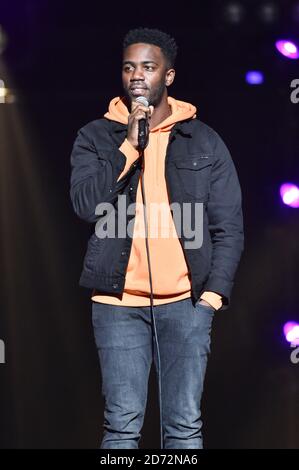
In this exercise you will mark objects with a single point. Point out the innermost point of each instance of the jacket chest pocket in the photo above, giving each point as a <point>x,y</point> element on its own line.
<point>194,175</point>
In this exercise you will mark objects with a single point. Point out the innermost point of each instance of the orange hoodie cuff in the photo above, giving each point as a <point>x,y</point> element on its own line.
<point>131,155</point>
<point>215,300</point>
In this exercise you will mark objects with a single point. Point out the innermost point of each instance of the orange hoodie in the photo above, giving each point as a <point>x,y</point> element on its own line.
<point>168,266</point>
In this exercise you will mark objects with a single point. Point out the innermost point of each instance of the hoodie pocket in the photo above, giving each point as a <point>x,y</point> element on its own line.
<point>194,174</point>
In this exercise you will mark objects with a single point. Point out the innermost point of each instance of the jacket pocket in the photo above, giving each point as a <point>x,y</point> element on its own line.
<point>94,247</point>
<point>194,174</point>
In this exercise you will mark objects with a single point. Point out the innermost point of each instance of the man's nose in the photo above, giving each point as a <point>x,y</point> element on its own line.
<point>137,74</point>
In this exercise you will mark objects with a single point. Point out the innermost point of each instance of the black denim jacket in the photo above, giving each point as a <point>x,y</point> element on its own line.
<point>198,169</point>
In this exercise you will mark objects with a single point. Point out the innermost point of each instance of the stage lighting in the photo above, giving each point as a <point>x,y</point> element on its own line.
<point>254,77</point>
<point>291,332</point>
<point>234,12</point>
<point>268,12</point>
<point>287,48</point>
<point>3,91</point>
<point>289,193</point>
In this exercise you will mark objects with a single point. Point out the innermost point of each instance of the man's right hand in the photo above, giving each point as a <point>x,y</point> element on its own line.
<point>138,111</point>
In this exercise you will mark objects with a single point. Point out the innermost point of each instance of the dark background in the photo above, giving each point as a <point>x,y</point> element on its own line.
<point>63,64</point>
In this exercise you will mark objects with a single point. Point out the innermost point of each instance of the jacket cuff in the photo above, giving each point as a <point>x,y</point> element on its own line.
<point>222,287</point>
<point>131,155</point>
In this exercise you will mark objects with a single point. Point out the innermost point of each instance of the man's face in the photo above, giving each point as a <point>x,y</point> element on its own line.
<point>145,73</point>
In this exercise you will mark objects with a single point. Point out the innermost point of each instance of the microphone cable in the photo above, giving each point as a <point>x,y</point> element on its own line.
<point>153,323</point>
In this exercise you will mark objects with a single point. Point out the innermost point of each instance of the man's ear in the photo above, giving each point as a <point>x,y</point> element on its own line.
<point>169,78</point>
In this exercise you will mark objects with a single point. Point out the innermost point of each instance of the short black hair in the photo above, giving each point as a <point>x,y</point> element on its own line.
<point>157,38</point>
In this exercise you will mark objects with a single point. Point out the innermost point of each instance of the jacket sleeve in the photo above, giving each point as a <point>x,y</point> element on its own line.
<point>94,171</point>
<point>225,220</point>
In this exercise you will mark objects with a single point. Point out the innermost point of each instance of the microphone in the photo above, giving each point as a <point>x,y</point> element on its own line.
<point>142,125</point>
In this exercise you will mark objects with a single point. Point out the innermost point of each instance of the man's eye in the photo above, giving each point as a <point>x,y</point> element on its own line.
<point>149,67</point>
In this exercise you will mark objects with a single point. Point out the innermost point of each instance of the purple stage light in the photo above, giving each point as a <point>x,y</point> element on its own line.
<point>287,48</point>
<point>291,332</point>
<point>289,193</point>
<point>254,77</point>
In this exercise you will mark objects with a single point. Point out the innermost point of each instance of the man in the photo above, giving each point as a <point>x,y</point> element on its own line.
<point>184,163</point>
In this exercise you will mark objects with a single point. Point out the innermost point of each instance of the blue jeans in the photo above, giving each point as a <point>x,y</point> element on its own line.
<point>123,337</point>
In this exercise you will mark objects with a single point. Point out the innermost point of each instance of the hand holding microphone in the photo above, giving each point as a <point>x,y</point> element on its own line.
<point>138,123</point>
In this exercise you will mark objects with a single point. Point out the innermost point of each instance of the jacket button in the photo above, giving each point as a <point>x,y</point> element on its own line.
<point>131,189</point>
<point>123,253</point>
<point>110,190</point>
<point>194,163</point>
<point>115,285</point>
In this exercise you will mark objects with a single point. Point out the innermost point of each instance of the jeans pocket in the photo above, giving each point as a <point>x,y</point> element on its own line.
<point>208,308</point>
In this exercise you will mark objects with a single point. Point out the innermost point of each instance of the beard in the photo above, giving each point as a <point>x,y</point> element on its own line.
<point>156,95</point>
<point>154,98</point>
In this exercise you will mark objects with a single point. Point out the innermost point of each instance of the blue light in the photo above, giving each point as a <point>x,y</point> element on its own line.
<point>254,77</point>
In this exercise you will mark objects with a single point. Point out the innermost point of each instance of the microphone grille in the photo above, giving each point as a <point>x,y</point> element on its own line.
<point>142,100</point>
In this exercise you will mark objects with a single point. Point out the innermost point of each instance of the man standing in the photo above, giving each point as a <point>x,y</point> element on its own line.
<point>185,163</point>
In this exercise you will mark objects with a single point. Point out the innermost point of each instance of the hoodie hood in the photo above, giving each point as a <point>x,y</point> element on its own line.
<point>180,110</point>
